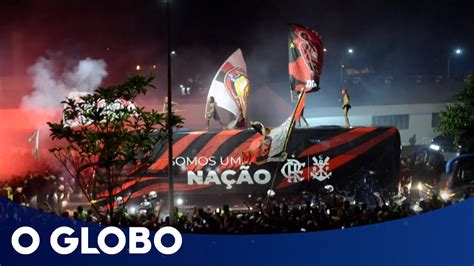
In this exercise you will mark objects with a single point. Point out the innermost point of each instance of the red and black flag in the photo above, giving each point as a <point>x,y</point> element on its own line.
<point>306,54</point>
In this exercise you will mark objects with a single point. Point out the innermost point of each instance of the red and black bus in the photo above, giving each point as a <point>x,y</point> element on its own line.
<point>210,169</point>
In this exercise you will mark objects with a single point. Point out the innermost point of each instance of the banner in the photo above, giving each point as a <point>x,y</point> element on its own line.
<point>305,58</point>
<point>275,141</point>
<point>230,88</point>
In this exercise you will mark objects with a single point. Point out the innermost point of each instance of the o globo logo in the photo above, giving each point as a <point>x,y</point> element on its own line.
<point>136,235</point>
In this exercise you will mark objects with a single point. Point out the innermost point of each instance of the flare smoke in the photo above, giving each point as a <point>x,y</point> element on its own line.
<point>50,88</point>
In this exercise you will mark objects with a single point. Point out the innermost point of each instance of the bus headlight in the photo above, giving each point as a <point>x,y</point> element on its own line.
<point>435,147</point>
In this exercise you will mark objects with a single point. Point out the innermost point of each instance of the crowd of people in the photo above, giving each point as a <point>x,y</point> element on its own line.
<point>273,214</point>
<point>269,216</point>
<point>43,190</point>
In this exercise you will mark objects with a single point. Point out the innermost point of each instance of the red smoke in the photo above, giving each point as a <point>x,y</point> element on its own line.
<point>16,152</point>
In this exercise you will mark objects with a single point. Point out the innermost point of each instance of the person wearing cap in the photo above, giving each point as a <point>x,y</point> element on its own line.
<point>346,106</point>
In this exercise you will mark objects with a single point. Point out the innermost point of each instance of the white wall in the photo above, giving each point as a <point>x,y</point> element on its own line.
<point>419,118</point>
<point>356,121</point>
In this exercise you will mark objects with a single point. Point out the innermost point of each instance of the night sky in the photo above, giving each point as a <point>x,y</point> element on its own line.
<point>396,38</point>
<point>409,41</point>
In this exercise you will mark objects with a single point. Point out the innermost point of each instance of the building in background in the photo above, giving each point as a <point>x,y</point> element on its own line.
<point>412,105</point>
<point>420,119</point>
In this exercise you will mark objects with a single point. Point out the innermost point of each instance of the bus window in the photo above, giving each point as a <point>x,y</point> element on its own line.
<point>464,171</point>
<point>457,181</point>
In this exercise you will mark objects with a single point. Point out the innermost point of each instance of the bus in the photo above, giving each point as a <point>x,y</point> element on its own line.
<point>210,168</point>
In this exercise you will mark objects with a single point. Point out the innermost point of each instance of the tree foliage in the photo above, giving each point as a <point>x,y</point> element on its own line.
<point>458,119</point>
<point>114,143</point>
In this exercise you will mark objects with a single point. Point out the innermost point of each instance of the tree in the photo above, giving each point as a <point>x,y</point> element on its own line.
<point>110,143</point>
<point>458,119</point>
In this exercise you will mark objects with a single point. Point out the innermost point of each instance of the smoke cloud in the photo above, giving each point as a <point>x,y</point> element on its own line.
<point>50,88</point>
<point>53,78</point>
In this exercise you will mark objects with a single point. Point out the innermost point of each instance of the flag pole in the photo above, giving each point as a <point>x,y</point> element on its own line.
<point>172,215</point>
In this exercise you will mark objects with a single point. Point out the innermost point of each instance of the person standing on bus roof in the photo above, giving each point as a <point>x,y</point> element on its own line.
<point>346,105</point>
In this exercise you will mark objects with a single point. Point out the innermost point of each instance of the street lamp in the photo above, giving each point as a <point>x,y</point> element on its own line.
<point>170,119</point>
<point>349,51</point>
<point>456,52</point>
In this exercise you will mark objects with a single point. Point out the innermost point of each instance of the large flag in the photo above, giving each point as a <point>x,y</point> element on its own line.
<point>306,54</point>
<point>281,135</point>
<point>230,88</point>
<point>34,138</point>
<point>273,145</point>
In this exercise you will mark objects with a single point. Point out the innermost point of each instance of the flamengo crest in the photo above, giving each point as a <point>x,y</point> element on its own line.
<point>320,169</point>
<point>292,170</point>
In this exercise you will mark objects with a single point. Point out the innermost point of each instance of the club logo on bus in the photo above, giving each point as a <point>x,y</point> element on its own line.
<point>321,170</point>
<point>292,170</point>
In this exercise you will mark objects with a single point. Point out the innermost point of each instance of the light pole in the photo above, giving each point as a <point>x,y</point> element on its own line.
<point>170,128</point>
<point>455,52</point>
<point>349,51</point>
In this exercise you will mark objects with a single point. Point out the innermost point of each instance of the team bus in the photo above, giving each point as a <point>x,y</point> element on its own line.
<point>212,168</point>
